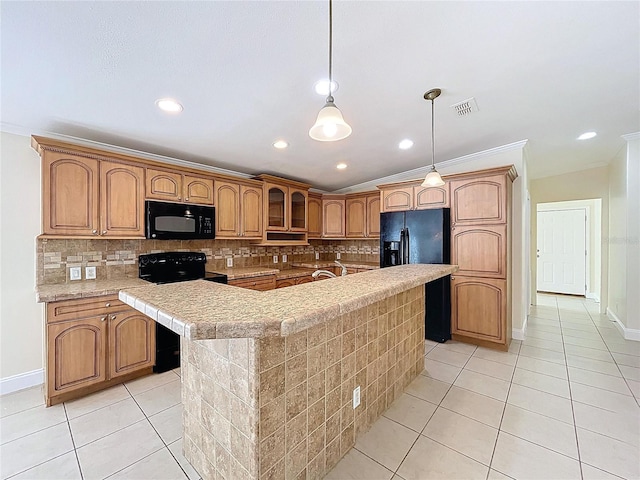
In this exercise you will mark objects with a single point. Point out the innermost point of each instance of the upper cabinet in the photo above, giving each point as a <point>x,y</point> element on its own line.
<point>363,215</point>
<point>404,196</point>
<point>285,210</point>
<point>87,196</point>
<point>174,186</point>
<point>333,216</point>
<point>238,209</point>
<point>479,200</point>
<point>314,207</point>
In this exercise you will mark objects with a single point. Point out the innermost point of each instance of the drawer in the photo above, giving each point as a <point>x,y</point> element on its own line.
<point>83,307</point>
<point>264,282</point>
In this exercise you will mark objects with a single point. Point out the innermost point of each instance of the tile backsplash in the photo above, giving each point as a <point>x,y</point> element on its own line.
<point>119,258</point>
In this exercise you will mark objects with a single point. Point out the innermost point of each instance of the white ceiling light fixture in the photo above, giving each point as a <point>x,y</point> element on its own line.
<point>322,87</point>
<point>405,144</point>
<point>280,144</point>
<point>169,105</point>
<point>341,166</point>
<point>587,135</point>
<point>433,178</point>
<point>330,126</point>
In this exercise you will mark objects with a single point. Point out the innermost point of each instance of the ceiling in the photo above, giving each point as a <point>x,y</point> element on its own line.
<point>539,71</point>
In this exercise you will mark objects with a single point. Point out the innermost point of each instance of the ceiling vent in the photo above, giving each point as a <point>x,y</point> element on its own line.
<point>465,107</point>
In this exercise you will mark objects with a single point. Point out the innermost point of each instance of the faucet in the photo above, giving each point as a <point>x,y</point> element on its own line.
<point>326,273</point>
<point>344,269</point>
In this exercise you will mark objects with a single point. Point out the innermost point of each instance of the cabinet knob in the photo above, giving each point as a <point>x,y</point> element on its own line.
<point>95,232</point>
<point>104,232</point>
<point>179,198</point>
<point>107,304</point>
<point>453,228</point>
<point>186,199</point>
<point>452,277</point>
<point>112,317</point>
<point>103,319</point>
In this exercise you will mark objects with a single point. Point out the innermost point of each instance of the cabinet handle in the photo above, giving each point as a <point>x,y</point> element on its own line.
<point>107,304</point>
<point>95,232</point>
<point>103,319</point>
<point>112,317</point>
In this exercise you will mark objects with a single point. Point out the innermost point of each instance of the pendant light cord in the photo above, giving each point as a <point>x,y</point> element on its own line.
<point>330,96</point>
<point>433,148</point>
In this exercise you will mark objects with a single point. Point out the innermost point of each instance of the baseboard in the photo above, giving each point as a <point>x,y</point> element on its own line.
<point>21,381</point>
<point>627,333</point>
<point>520,333</point>
<point>593,296</point>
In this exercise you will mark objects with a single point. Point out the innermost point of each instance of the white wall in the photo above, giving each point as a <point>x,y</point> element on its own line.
<point>21,318</point>
<point>582,185</point>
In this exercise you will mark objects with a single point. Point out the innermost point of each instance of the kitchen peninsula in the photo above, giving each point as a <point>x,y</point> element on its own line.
<point>269,379</point>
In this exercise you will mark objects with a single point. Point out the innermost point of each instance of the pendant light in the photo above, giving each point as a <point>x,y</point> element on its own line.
<point>433,178</point>
<point>330,126</point>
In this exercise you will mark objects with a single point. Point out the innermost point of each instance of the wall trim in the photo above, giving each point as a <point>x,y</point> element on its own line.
<point>593,296</point>
<point>629,137</point>
<point>520,333</point>
<point>627,333</point>
<point>21,381</point>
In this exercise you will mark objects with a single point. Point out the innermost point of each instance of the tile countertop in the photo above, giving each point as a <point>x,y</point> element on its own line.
<point>325,264</point>
<point>84,289</point>
<point>245,272</point>
<point>201,310</point>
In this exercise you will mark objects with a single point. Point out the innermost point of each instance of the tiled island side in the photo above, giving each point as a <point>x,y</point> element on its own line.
<point>268,378</point>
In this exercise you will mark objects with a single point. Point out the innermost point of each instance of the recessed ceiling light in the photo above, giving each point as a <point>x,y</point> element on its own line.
<point>587,135</point>
<point>169,105</point>
<point>322,87</point>
<point>405,144</point>
<point>341,166</point>
<point>280,144</point>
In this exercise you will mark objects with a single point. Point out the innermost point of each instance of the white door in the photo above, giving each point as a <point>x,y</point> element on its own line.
<point>562,251</point>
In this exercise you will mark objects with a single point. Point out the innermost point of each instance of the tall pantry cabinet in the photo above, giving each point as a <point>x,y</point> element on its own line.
<point>481,247</point>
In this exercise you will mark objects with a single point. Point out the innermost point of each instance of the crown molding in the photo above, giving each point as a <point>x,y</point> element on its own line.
<point>629,137</point>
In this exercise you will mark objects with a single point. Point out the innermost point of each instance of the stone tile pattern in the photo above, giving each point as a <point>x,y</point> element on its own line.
<point>281,407</point>
<point>116,259</point>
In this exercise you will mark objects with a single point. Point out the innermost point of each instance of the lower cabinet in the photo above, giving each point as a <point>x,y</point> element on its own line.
<point>85,354</point>
<point>290,282</point>
<point>263,282</point>
<point>479,311</point>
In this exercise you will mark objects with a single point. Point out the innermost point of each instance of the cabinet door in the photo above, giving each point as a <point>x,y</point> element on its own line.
<point>315,217</point>
<point>276,207</point>
<point>356,216</point>
<point>162,185</point>
<point>298,209</point>
<point>479,200</point>
<point>76,354</point>
<point>305,279</point>
<point>121,200</point>
<point>132,341</point>
<point>333,218</point>
<point>69,195</point>
<point>198,190</point>
<point>261,283</point>
<point>480,250</point>
<point>227,201</point>
<point>373,216</point>
<point>397,200</point>
<point>285,282</point>
<point>251,211</point>
<point>479,308</point>
<point>431,197</point>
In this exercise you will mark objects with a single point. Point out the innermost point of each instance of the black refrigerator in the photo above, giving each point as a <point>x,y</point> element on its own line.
<point>422,236</point>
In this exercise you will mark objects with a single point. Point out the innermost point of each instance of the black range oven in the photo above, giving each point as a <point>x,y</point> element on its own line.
<point>171,267</point>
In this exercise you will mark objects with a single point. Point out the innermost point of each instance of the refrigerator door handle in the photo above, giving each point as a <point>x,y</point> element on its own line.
<point>407,260</point>
<point>401,252</point>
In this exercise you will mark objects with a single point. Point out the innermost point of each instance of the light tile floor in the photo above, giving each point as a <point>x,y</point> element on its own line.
<point>562,404</point>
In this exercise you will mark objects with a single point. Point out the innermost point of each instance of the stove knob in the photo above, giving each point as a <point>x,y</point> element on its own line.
<point>143,261</point>
<point>153,260</point>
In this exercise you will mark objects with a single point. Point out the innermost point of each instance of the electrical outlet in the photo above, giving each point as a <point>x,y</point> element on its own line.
<point>275,259</point>
<point>356,396</point>
<point>229,262</point>
<point>317,255</point>
<point>75,273</point>
<point>337,255</point>
<point>284,259</point>
<point>90,273</point>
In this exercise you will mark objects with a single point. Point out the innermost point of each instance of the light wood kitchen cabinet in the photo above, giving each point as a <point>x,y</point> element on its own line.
<point>479,310</point>
<point>290,282</point>
<point>404,196</point>
<point>174,186</point>
<point>314,207</point>
<point>363,215</point>
<point>238,210</point>
<point>480,250</point>
<point>87,197</point>
<point>480,200</point>
<point>261,283</point>
<point>94,343</point>
<point>333,216</point>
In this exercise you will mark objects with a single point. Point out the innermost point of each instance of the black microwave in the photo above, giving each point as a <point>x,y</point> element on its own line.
<point>179,221</point>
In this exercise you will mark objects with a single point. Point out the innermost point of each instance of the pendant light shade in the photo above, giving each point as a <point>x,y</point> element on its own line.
<point>330,126</point>
<point>433,178</point>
